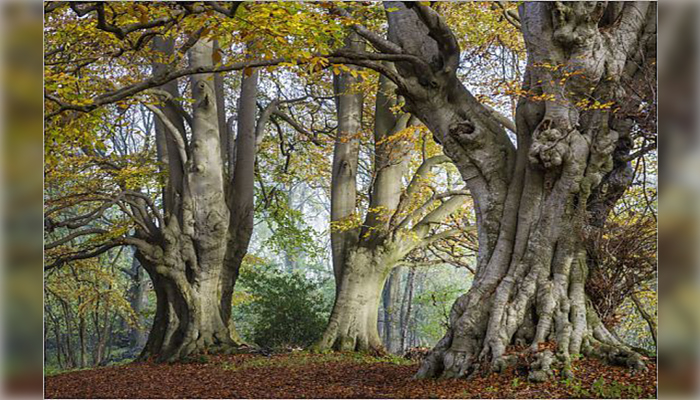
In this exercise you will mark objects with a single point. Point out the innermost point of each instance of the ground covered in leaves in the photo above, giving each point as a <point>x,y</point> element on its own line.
<point>305,375</point>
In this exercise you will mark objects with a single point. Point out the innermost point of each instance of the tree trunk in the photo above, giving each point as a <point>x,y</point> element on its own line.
<point>138,336</point>
<point>194,263</point>
<point>406,311</point>
<point>392,311</point>
<point>531,199</point>
<point>188,318</point>
<point>650,320</point>
<point>345,159</point>
<point>82,336</point>
<point>364,256</point>
<point>353,322</point>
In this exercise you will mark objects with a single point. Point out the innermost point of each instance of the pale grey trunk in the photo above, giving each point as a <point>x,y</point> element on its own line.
<point>139,304</point>
<point>392,311</point>
<point>187,268</point>
<point>353,321</point>
<point>166,145</point>
<point>531,199</point>
<point>345,157</point>
<point>363,258</point>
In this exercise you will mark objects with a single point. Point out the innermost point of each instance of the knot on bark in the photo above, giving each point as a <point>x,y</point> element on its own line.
<point>549,146</point>
<point>576,23</point>
<point>464,132</point>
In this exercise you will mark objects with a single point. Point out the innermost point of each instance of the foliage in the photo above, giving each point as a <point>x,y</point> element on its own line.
<point>286,308</point>
<point>441,287</point>
<point>87,313</point>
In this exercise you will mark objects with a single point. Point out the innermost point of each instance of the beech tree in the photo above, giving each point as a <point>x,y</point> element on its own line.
<point>535,199</point>
<point>398,220</point>
<point>193,242</point>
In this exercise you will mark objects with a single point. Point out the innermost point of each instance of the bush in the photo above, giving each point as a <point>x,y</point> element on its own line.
<point>281,308</point>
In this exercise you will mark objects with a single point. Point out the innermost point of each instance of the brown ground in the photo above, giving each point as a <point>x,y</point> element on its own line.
<point>304,375</point>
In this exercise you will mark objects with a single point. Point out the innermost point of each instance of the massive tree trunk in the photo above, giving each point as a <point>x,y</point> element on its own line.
<point>531,199</point>
<point>194,255</point>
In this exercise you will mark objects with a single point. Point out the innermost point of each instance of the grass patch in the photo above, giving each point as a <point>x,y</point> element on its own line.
<point>53,371</point>
<point>303,358</point>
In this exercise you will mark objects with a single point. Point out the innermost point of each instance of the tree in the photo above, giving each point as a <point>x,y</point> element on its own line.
<point>533,198</point>
<point>397,221</point>
<point>192,242</point>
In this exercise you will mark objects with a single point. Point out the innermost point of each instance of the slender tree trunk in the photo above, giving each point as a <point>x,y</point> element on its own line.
<point>82,336</point>
<point>406,312</point>
<point>392,311</point>
<point>70,350</point>
<point>139,303</point>
<point>648,318</point>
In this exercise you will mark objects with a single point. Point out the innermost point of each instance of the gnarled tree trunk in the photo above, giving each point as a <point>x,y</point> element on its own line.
<point>531,198</point>
<point>193,258</point>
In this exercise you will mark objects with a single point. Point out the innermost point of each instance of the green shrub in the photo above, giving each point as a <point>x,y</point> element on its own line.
<point>281,308</point>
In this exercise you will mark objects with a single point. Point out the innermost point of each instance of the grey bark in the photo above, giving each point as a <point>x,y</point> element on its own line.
<point>345,158</point>
<point>139,304</point>
<point>531,199</point>
<point>406,308</point>
<point>194,257</point>
<point>363,258</point>
<point>392,311</point>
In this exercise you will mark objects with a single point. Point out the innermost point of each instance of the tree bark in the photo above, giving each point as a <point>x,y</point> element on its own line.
<point>406,308</point>
<point>353,321</point>
<point>392,311</point>
<point>193,260</point>
<point>139,303</point>
<point>531,199</point>
<point>364,257</point>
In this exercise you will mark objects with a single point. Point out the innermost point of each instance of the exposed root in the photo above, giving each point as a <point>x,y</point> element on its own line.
<point>541,369</point>
<point>615,354</point>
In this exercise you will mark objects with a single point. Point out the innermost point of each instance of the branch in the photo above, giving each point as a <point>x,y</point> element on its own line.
<point>441,33</point>
<point>434,217</point>
<point>447,234</point>
<point>418,178</point>
<point>230,12</point>
<point>262,121</point>
<point>297,126</point>
<point>640,153</point>
<point>168,97</point>
<point>647,317</point>
<point>438,214</point>
<point>510,15</point>
<point>175,133</point>
<point>362,59</point>
<point>501,119</point>
<point>379,43</point>
<point>76,234</point>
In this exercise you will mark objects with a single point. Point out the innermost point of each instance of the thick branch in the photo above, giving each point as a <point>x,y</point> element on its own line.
<point>174,132</point>
<point>441,33</point>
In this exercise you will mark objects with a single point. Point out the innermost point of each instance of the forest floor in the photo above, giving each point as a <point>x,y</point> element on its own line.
<point>335,375</point>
